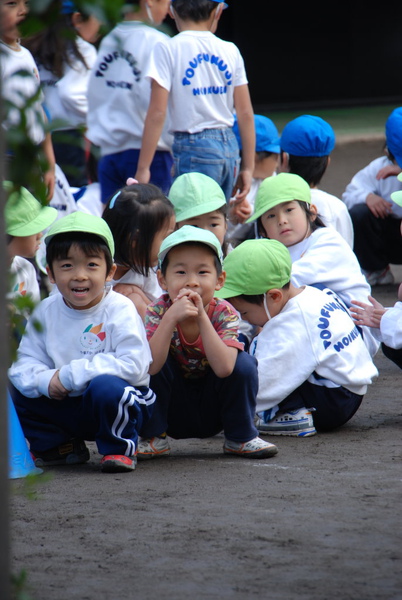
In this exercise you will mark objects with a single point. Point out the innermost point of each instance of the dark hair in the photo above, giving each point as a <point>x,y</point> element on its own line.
<point>194,10</point>
<point>310,168</point>
<point>55,46</point>
<point>263,154</point>
<point>138,212</point>
<point>315,223</point>
<point>89,243</point>
<point>218,264</point>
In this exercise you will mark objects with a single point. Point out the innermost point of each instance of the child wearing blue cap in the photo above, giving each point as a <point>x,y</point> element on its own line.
<point>376,217</point>
<point>267,153</point>
<point>203,380</point>
<point>81,371</point>
<point>306,144</point>
<point>201,80</point>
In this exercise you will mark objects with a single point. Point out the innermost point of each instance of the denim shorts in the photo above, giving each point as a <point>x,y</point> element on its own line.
<point>213,152</point>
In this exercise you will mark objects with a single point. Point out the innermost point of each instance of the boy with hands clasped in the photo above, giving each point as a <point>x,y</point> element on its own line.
<point>313,365</point>
<point>83,373</point>
<point>203,380</point>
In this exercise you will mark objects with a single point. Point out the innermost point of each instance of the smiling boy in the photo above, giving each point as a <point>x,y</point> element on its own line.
<point>203,380</point>
<point>82,367</point>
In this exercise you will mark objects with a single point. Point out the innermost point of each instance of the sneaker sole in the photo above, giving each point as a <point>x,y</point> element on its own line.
<point>295,433</point>
<point>266,453</point>
<point>115,466</point>
<point>71,459</point>
<point>149,455</point>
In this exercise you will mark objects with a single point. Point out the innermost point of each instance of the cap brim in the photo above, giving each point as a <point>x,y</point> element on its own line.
<point>197,210</point>
<point>45,218</point>
<point>397,197</point>
<point>228,292</point>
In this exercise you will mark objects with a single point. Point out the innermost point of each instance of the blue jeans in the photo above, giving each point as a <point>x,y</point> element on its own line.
<point>114,169</point>
<point>213,152</point>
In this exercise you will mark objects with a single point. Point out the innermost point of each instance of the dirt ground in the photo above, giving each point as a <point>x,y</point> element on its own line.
<point>320,521</point>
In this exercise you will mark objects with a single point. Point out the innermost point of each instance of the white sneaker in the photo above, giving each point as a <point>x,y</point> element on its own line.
<point>295,422</point>
<point>153,448</point>
<point>382,277</point>
<point>255,448</point>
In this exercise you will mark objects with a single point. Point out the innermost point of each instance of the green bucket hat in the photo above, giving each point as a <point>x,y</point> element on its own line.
<point>23,214</point>
<point>83,222</point>
<point>254,267</point>
<point>397,196</point>
<point>188,233</point>
<point>277,189</point>
<point>194,194</point>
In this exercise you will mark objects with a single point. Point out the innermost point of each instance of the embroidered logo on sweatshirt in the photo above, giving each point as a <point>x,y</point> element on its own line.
<point>93,339</point>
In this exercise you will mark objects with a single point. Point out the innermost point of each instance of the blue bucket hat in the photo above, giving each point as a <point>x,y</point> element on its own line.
<point>393,134</point>
<point>308,135</point>
<point>68,7</point>
<point>266,134</point>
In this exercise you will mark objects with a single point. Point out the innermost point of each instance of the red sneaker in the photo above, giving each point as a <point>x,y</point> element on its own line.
<point>118,463</point>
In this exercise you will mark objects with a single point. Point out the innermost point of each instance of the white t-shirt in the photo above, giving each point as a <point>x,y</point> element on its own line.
<point>119,93</point>
<point>107,339</point>
<point>334,213</point>
<point>200,71</point>
<point>24,280</point>
<point>365,182</point>
<point>312,334</point>
<point>149,285</point>
<point>326,258</point>
<point>66,98</point>
<point>19,88</point>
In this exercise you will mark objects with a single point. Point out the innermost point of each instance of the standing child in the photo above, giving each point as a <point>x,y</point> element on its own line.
<point>306,145</point>
<point>320,255</point>
<point>204,381</point>
<point>118,99</point>
<point>376,217</point>
<point>83,373</point>
<point>140,217</point>
<point>201,80</point>
<point>313,365</point>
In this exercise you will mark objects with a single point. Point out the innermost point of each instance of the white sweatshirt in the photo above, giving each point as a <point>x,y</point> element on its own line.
<point>312,334</point>
<point>106,339</point>
<point>326,258</point>
<point>334,213</point>
<point>391,327</point>
<point>66,98</point>
<point>365,182</point>
<point>149,285</point>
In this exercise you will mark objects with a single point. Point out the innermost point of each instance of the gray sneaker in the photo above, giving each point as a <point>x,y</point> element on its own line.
<point>255,448</point>
<point>153,448</point>
<point>295,422</point>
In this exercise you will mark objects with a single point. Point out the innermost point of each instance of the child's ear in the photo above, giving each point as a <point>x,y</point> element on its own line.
<point>161,280</point>
<point>284,162</point>
<point>313,212</point>
<point>275,294</point>
<point>220,281</point>
<point>111,273</point>
<point>50,274</point>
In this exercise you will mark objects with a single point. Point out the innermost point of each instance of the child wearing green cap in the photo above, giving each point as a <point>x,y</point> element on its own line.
<point>307,333</point>
<point>25,220</point>
<point>81,371</point>
<point>203,380</point>
<point>320,255</point>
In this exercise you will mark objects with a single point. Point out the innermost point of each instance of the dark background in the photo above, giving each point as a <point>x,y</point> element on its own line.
<point>317,54</point>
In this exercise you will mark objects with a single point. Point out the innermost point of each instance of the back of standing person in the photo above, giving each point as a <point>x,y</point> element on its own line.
<point>306,145</point>
<point>201,80</point>
<point>118,99</point>
<point>376,217</point>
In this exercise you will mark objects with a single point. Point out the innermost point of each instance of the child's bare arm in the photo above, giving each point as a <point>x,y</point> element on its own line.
<point>368,315</point>
<point>245,119</point>
<point>153,127</point>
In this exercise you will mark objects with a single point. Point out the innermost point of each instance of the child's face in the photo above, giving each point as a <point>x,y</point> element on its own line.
<point>252,313</point>
<point>191,268</point>
<point>26,246</point>
<point>213,221</point>
<point>265,167</point>
<point>80,278</point>
<point>12,13</point>
<point>167,229</point>
<point>287,222</point>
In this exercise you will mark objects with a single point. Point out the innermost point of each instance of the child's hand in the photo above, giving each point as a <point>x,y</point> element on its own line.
<point>388,171</point>
<point>367,314</point>
<point>185,305</point>
<point>378,206</point>
<point>243,185</point>
<point>57,391</point>
<point>239,210</point>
